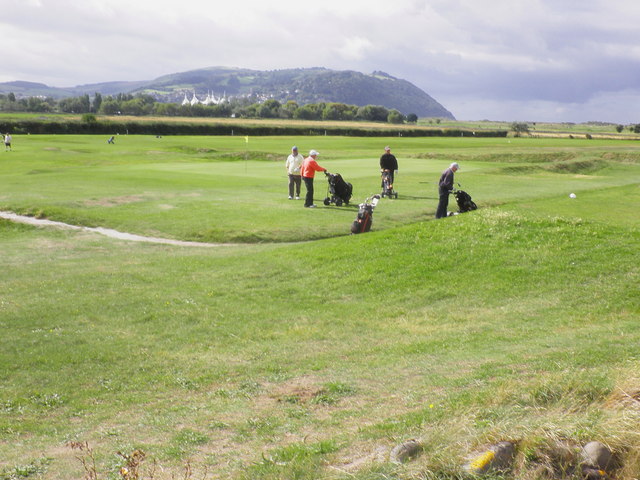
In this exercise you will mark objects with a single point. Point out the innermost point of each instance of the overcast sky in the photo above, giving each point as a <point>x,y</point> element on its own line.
<point>525,60</point>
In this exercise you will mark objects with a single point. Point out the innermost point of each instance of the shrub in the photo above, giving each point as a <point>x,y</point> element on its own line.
<point>373,113</point>
<point>519,128</point>
<point>89,118</point>
<point>395,117</point>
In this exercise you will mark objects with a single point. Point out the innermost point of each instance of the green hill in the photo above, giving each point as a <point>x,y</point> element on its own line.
<point>308,85</point>
<point>33,89</point>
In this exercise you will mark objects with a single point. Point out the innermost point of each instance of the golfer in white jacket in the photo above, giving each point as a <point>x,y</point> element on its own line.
<point>293,164</point>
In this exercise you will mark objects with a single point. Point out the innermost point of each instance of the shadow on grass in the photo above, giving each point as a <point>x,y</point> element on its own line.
<point>413,197</point>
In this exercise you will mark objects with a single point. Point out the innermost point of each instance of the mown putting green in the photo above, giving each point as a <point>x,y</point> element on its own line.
<point>302,360</point>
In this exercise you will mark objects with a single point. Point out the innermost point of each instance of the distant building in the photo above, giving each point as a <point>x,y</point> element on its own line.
<point>211,99</point>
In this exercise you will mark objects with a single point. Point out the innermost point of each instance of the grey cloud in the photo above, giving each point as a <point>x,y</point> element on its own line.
<point>564,57</point>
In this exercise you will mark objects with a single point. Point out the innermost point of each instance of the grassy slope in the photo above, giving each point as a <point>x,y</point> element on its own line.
<point>517,321</point>
<point>182,187</point>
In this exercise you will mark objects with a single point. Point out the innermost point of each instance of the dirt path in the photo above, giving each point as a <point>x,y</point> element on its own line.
<point>107,232</point>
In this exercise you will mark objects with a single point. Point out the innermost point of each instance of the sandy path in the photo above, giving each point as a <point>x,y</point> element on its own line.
<point>107,232</point>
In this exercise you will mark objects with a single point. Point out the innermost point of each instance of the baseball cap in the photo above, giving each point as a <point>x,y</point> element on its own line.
<point>455,164</point>
<point>294,148</point>
<point>387,148</point>
<point>314,152</point>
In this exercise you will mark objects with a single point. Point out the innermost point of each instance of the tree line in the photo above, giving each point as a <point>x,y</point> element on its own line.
<point>246,107</point>
<point>521,128</point>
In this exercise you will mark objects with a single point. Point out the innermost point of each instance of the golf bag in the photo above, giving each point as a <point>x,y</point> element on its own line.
<point>338,191</point>
<point>363,221</point>
<point>465,204</point>
<point>387,185</point>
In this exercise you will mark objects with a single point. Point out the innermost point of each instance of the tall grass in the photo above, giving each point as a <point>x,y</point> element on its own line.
<point>311,360</point>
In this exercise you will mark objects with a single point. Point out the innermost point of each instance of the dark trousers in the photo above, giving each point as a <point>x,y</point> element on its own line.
<point>294,180</point>
<point>308,182</point>
<point>443,203</point>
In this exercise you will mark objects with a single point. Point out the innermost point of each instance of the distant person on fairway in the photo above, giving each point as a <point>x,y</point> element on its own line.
<point>293,166</point>
<point>112,139</point>
<point>309,169</point>
<point>445,185</point>
<point>7,142</point>
<point>389,163</point>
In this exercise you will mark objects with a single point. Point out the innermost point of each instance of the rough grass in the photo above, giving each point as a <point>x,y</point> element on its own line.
<point>581,167</point>
<point>312,360</point>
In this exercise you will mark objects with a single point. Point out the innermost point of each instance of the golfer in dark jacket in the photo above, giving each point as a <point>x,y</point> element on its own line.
<point>445,185</point>
<point>388,162</point>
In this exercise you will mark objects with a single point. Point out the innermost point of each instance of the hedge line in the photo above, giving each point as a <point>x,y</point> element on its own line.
<point>162,128</point>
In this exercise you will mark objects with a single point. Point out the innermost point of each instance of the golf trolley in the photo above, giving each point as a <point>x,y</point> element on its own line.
<point>363,221</point>
<point>338,191</point>
<point>387,185</point>
<point>463,199</point>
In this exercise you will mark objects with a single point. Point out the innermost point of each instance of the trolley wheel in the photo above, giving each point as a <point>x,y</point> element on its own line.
<point>327,201</point>
<point>396,194</point>
<point>338,203</point>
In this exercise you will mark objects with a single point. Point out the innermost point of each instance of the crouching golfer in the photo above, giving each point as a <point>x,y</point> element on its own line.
<point>444,188</point>
<point>309,169</point>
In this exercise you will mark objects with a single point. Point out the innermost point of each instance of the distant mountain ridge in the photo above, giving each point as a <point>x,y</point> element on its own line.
<point>302,85</point>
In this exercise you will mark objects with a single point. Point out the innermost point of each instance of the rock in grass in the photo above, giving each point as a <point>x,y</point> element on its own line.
<point>497,457</point>
<point>596,455</point>
<point>589,473</point>
<point>405,451</point>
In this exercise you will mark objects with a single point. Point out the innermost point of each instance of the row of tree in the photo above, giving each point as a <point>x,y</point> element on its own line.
<point>142,104</point>
<point>521,128</point>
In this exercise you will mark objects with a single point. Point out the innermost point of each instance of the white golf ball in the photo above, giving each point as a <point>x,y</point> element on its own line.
<point>572,195</point>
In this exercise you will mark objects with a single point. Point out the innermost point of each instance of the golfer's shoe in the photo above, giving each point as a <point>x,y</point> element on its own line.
<point>290,197</point>
<point>310,206</point>
<point>297,198</point>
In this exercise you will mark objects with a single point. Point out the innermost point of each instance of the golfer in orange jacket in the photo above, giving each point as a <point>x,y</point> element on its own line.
<point>309,169</point>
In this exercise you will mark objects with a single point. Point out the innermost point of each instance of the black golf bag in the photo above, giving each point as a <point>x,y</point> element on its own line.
<point>387,185</point>
<point>465,204</point>
<point>363,221</point>
<point>338,191</point>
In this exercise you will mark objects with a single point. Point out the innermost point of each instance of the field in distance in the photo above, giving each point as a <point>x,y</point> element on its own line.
<point>536,129</point>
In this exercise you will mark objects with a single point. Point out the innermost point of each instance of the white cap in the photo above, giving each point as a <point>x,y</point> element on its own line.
<point>313,152</point>
<point>455,164</point>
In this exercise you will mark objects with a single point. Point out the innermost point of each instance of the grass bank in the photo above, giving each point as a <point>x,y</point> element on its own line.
<point>312,360</point>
